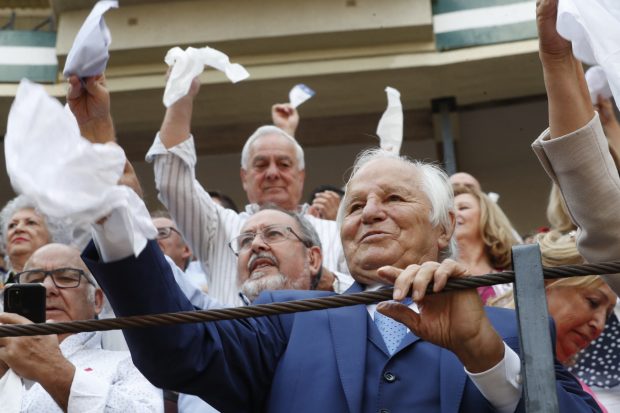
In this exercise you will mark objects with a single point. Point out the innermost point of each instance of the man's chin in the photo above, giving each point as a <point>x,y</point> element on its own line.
<point>262,272</point>
<point>56,315</point>
<point>277,197</point>
<point>253,286</point>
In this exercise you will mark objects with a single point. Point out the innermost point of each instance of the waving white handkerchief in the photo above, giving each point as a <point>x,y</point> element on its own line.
<point>189,63</point>
<point>67,176</point>
<point>597,84</point>
<point>89,54</point>
<point>11,392</point>
<point>390,128</point>
<point>299,94</point>
<point>593,28</point>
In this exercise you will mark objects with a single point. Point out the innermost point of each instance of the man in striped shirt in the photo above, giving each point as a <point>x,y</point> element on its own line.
<point>272,171</point>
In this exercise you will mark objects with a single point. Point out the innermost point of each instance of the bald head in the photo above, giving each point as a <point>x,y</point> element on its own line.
<point>56,256</point>
<point>53,264</point>
<point>465,179</point>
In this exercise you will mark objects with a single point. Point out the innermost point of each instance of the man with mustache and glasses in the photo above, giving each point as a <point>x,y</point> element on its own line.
<point>277,250</point>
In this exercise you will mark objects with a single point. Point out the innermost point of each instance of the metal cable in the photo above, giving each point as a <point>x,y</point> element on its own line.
<point>334,301</point>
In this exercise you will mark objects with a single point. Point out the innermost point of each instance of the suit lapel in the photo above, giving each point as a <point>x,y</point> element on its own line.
<point>452,379</point>
<point>348,327</point>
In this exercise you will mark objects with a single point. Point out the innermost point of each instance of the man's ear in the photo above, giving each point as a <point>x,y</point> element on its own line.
<point>315,259</point>
<point>242,174</point>
<point>98,300</point>
<point>187,252</point>
<point>445,234</point>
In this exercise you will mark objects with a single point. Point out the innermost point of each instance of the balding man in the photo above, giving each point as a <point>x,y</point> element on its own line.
<point>272,171</point>
<point>70,372</point>
<point>465,179</point>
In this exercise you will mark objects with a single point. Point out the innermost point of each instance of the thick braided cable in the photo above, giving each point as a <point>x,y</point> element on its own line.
<point>334,301</point>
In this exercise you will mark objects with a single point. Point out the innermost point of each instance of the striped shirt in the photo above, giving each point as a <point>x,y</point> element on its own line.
<point>207,227</point>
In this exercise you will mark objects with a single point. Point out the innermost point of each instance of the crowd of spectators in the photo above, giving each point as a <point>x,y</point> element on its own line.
<point>394,222</point>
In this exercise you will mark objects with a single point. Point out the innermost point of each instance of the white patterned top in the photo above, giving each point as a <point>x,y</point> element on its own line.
<point>105,382</point>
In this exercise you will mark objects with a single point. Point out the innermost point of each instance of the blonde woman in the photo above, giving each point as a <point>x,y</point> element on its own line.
<point>557,213</point>
<point>484,236</point>
<point>580,306</point>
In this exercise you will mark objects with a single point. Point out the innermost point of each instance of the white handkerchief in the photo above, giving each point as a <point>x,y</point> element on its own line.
<point>188,64</point>
<point>89,54</point>
<point>593,28</point>
<point>597,84</point>
<point>64,174</point>
<point>390,128</point>
<point>299,94</point>
<point>11,392</point>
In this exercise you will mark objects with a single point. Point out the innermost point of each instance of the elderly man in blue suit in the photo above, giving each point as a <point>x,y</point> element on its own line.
<point>396,223</point>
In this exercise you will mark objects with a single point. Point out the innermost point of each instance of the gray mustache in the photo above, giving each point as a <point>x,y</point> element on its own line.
<point>262,255</point>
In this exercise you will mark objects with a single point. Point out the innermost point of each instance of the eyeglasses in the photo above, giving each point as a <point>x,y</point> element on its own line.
<point>270,235</point>
<point>164,232</point>
<point>62,277</point>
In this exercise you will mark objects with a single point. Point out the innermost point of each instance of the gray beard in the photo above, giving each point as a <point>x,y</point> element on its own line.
<point>252,287</point>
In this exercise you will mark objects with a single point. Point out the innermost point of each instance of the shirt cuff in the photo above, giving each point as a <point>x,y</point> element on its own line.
<point>88,393</point>
<point>184,150</point>
<point>501,384</point>
<point>114,238</point>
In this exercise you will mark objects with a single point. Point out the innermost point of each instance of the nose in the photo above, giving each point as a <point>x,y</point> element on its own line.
<point>49,285</point>
<point>272,171</point>
<point>373,210</point>
<point>258,244</point>
<point>597,323</point>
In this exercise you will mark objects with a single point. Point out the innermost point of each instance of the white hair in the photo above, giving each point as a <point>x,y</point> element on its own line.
<point>435,185</point>
<point>270,130</point>
<point>58,230</point>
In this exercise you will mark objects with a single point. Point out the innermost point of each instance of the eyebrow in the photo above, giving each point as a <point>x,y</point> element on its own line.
<point>390,188</point>
<point>278,158</point>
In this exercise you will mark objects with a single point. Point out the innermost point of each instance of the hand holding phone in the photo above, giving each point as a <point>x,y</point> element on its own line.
<point>27,300</point>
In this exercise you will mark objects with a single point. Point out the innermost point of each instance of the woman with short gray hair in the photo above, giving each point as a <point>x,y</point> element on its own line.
<point>24,230</point>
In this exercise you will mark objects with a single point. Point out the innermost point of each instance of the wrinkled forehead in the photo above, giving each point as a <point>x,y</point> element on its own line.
<point>27,213</point>
<point>266,218</point>
<point>163,222</point>
<point>465,179</point>
<point>54,256</point>
<point>385,175</point>
<point>272,144</point>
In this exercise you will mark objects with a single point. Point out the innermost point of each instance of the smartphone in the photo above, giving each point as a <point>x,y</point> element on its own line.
<point>27,300</point>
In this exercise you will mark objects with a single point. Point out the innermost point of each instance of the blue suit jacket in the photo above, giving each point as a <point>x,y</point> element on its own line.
<point>317,361</point>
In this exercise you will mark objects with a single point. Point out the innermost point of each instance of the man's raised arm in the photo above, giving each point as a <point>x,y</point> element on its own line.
<point>90,104</point>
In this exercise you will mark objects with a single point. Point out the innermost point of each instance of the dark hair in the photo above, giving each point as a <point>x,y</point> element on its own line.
<point>225,200</point>
<point>323,188</point>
